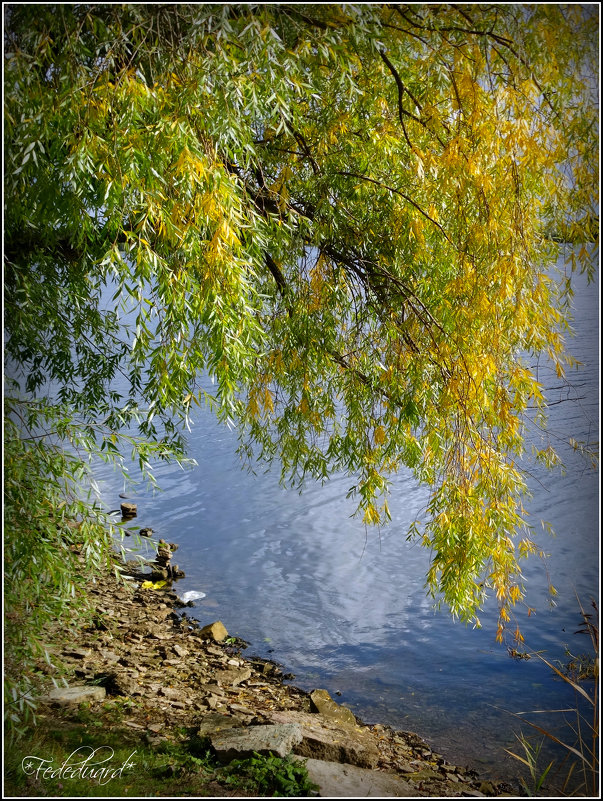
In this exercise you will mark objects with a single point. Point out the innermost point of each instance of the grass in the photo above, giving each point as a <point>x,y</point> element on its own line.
<point>577,774</point>
<point>93,755</point>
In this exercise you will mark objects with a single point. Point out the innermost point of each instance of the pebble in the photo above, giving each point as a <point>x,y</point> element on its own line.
<point>172,651</point>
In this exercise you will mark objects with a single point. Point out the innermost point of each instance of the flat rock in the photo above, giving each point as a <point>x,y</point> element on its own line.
<point>173,694</point>
<point>240,743</point>
<point>156,727</point>
<point>214,722</point>
<point>349,781</point>
<point>78,653</point>
<point>241,710</point>
<point>77,694</point>
<point>108,655</point>
<point>232,677</point>
<point>322,702</point>
<point>326,740</point>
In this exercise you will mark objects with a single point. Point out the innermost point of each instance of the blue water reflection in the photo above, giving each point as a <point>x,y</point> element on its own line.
<point>345,608</point>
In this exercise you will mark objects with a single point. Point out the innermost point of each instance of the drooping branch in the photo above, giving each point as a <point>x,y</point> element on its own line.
<point>397,192</point>
<point>276,273</point>
<point>402,112</point>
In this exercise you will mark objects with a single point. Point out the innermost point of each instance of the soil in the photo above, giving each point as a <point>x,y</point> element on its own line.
<point>172,674</point>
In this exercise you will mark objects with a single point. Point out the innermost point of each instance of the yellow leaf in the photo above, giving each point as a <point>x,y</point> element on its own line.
<point>371,515</point>
<point>380,435</point>
<point>268,402</point>
<point>149,585</point>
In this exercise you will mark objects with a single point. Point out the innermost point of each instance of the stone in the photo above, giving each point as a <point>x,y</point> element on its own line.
<point>326,740</point>
<point>182,652</point>
<point>109,656</point>
<point>241,743</point>
<point>241,710</point>
<point>159,573</point>
<point>122,684</point>
<point>215,722</point>
<point>78,653</point>
<point>232,677</point>
<point>156,632</point>
<point>211,689</point>
<point>211,649</point>
<point>176,573</point>
<point>214,631</point>
<point>349,781</point>
<point>77,694</point>
<point>128,509</point>
<point>426,774</point>
<point>321,702</point>
<point>172,694</point>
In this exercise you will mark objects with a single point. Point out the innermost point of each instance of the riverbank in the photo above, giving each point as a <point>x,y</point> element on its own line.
<point>185,701</point>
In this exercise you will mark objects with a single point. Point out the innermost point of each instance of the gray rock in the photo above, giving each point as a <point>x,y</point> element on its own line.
<point>326,740</point>
<point>78,653</point>
<point>241,710</point>
<point>128,509</point>
<point>426,774</point>
<point>122,684</point>
<point>109,656</point>
<point>77,694</point>
<point>214,722</point>
<point>349,781</point>
<point>241,743</point>
<point>322,703</point>
<point>172,694</point>
<point>232,677</point>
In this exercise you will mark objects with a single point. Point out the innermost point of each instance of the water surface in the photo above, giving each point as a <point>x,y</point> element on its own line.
<point>345,608</point>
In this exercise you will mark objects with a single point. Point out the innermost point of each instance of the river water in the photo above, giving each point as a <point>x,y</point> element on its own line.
<point>345,608</point>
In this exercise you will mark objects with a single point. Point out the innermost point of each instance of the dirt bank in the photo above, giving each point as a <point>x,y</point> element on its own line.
<point>170,675</point>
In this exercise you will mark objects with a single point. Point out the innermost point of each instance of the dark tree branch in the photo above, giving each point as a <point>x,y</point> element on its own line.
<point>397,192</point>
<point>402,112</point>
<point>277,274</point>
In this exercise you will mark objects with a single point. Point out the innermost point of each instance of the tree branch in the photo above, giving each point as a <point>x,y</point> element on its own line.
<point>397,192</point>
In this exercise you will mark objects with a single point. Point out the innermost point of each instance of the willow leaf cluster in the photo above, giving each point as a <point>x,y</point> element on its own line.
<point>346,215</point>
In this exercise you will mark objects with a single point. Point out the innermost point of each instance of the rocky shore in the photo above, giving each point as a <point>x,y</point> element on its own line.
<point>141,646</point>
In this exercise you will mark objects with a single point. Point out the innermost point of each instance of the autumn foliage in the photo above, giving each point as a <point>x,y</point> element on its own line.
<point>346,215</point>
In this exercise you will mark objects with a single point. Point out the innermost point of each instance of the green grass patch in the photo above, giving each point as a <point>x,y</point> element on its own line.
<point>80,754</point>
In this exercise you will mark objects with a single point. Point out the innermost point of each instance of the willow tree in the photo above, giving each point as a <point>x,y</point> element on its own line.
<point>345,215</point>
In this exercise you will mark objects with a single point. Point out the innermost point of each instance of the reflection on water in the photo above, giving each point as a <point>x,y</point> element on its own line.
<point>345,608</point>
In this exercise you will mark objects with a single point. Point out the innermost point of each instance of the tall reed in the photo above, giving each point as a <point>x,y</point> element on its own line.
<point>578,772</point>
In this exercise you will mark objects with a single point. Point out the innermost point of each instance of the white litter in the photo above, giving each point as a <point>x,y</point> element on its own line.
<point>191,595</point>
